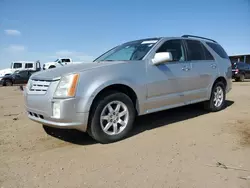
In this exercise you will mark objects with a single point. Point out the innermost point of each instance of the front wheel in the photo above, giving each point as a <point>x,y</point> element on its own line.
<point>217,98</point>
<point>112,118</point>
<point>8,83</point>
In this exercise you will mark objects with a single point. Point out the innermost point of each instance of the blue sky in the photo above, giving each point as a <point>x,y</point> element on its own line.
<point>82,30</point>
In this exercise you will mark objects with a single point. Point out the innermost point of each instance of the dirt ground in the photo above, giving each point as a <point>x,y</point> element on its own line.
<point>184,147</point>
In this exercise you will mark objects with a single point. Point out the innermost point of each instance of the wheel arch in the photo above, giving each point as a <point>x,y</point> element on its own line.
<point>123,88</point>
<point>219,79</point>
<point>7,79</point>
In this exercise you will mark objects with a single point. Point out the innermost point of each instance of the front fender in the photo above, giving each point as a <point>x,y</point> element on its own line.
<point>88,94</point>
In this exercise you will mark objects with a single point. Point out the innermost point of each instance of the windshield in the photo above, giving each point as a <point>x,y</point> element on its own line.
<point>135,50</point>
<point>56,60</point>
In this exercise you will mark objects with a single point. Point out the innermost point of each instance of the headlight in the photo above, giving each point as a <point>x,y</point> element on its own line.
<point>67,86</point>
<point>28,84</point>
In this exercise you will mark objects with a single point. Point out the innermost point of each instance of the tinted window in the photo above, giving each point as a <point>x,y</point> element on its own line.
<point>240,66</point>
<point>65,60</point>
<point>218,49</point>
<point>208,55</point>
<point>29,65</point>
<point>17,65</point>
<point>23,73</point>
<point>175,47</point>
<point>195,50</point>
<point>246,66</point>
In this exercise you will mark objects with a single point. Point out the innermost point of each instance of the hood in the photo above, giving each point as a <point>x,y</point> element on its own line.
<point>54,74</point>
<point>5,71</point>
<point>7,76</point>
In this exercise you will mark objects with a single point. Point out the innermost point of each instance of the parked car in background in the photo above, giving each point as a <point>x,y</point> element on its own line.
<point>18,77</point>
<point>20,65</point>
<point>240,71</point>
<point>136,78</point>
<point>59,63</point>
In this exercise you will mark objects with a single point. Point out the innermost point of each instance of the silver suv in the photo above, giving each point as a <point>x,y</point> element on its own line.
<point>136,78</point>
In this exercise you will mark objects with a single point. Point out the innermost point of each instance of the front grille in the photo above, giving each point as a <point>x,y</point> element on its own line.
<point>36,115</point>
<point>38,87</point>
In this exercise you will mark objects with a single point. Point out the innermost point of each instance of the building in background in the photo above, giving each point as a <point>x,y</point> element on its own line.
<point>240,58</point>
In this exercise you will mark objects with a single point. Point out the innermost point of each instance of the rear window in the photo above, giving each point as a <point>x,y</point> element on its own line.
<point>218,49</point>
<point>240,66</point>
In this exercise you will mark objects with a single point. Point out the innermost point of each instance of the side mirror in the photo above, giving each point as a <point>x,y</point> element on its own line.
<point>162,57</point>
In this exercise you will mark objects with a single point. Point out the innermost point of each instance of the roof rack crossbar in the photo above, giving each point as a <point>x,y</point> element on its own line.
<point>187,36</point>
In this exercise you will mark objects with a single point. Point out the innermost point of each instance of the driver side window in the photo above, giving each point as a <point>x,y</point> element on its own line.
<point>175,47</point>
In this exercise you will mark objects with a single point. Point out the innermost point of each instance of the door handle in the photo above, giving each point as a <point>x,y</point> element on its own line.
<point>185,68</point>
<point>213,66</point>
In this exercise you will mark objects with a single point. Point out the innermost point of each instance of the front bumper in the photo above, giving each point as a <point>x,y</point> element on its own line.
<point>78,121</point>
<point>39,108</point>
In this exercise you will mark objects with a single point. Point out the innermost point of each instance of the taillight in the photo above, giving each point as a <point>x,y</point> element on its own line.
<point>237,70</point>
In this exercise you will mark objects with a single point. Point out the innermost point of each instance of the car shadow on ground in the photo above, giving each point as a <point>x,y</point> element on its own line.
<point>167,117</point>
<point>246,80</point>
<point>142,123</point>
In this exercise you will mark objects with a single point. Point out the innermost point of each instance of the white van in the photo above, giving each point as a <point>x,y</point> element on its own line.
<point>21,65</point>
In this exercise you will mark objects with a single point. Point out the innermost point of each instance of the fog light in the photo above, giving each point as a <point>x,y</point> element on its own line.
<point>56,110</point>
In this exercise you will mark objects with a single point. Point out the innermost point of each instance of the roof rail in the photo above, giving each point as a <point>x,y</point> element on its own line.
<point>187,36</point>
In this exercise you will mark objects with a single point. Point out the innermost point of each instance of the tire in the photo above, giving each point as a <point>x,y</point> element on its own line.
<point>97,125</point>
<point>242,77</point>
<point>237,79</point>
<point>210,105</point>
<point>8,83</point>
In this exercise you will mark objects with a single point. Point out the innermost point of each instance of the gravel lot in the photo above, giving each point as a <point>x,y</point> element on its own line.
<point>184,147</point>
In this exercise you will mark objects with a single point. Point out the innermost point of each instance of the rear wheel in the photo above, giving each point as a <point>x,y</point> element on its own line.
<point>112,118</point>
<point>242,77</point>
<point>217,98</point>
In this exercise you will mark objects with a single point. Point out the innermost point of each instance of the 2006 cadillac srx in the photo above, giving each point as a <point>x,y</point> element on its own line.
<point>136,78</point>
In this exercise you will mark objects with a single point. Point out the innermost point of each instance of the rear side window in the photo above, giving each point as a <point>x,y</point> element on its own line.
<point>208,55</point>
<point>65,60</point>
<point>17,65</point>
<point>195,50</point>
<point>28,65</point>
<point>218,49</point>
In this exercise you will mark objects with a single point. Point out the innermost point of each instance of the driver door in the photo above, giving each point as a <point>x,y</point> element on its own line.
<point>167,82</point>
<point>21,77</point>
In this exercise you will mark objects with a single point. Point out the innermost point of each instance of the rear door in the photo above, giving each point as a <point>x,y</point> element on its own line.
<point>204,70</point>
